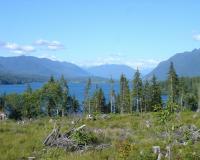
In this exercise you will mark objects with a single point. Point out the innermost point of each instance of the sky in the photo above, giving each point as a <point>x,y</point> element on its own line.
<point>138,33</point>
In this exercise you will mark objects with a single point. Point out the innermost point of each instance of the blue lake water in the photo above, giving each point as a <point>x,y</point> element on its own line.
<point>76,89</point>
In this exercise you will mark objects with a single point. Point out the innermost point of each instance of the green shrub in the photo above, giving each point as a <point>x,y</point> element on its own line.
<point>83,137</point>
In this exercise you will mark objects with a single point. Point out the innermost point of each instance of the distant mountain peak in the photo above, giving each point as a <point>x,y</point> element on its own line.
<point>111,70</point>
<point>186,64</point>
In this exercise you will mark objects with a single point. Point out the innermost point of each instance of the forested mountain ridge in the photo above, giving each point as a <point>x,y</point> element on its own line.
<point>28,65</point>
<point>23,69</point>
<point>187,64</point>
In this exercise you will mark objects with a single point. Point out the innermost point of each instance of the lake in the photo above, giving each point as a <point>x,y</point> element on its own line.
<point>76,89</point>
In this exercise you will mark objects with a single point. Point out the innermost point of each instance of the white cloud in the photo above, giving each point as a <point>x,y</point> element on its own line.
<point>120,59</point>
<point>41,42</point>
<point>196,37</point>
<point>16,48</point>
<point>51,45</point>
<point>51,57</point>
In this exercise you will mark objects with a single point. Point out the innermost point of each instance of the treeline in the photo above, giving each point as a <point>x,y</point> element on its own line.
<point>8,78</point>
<point>137,95</point>
<point>141,97</point>
<point>145,95</point>
<point>52,99</point>
<point>187,91</point>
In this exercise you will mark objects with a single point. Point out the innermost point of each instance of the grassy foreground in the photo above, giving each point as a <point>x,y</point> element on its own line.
<point>129,135</point>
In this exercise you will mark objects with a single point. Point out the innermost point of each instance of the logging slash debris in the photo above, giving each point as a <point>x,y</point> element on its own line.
<point>76,139</point>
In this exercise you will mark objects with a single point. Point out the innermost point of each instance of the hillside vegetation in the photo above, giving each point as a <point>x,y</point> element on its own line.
<point>129,135</point>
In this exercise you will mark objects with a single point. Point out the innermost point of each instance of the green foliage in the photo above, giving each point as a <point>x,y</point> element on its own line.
<point>155,93</point>
<point>157,108</point>
<point>14,103</point>
<point>137,92</point>
<point>124,96</point>
<point>147,96</point>
<point>7,78</point>
<point>172,107</point>
<point>31,104</point>
<point>173,84</point>
<point>51,99</point>
<point>83,137</point>
<point>99,102</point>
<point>165,114</point>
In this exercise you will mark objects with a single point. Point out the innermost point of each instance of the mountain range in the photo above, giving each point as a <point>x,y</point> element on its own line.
<point>186,64</point>
<point>33,68</point>
<point>28,68</point>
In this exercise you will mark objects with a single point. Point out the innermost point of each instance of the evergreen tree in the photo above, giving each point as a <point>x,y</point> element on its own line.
<point>51,80</point>
<point>182,92</point>
<point>156,99</point>
<point>75,104</point>
<point>146,96</point>
<point>87,104</point>
<point>99,102</point>
<point>137,92</point>
<point>28,89</point>
<point>124,95</point>
<point>173,84</point>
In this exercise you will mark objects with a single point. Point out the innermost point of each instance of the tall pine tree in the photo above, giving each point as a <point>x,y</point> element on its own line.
<point>137,92</point>
<point>156,99</point>
<point>146,96</point>
<point>124,95</point>
<point>173,84</point>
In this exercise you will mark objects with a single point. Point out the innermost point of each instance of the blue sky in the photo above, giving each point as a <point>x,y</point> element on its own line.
<point>93,32</point>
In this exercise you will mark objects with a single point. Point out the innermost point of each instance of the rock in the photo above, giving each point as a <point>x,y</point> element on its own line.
<point>104,116</point>
<point>185,133</point>
<point>90,117</point>
<point>98,131</point>
<point>148,124</point>
<point>51,121</point>
<point>72,122</point>
<point>31,158</point>
<point>156,149</point>
<point>3,116</point>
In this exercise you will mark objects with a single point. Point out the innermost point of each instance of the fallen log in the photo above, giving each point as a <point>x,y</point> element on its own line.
<point>52,136</point>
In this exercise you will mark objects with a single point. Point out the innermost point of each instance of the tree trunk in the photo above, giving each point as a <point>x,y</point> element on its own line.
<point>63,112</point>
